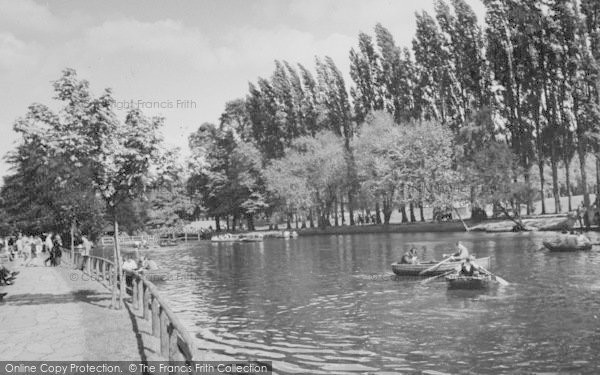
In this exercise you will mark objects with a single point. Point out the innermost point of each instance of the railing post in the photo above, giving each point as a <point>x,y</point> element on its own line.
<point>155,318</point>
<point>134,292</point>
<point>140,293</point>
<point>122,289</point>
<point>146,301</point>
<point>173,345</point>
<point>164,333</point>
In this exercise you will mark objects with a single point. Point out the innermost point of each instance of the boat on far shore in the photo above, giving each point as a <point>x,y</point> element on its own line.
<point>167,243</point>
<point>403,269</point>
<point>228,237</point>
<point>559,246</point>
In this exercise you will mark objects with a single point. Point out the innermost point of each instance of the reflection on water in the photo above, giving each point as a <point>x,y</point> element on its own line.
<point>328,304</point>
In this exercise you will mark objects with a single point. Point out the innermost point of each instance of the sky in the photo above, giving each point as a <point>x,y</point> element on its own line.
<point>180,59</point>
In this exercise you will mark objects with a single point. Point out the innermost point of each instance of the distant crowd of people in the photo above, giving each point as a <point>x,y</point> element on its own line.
<point>33,250</point>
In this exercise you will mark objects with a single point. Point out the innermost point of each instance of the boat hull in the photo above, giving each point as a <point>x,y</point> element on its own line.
<point>401,269</point>
<point>167,243</point>
<point>566,248</point>
<point>469,282</point>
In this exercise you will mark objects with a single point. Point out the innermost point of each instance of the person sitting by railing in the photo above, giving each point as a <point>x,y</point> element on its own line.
<point>6,276</point>
<point>129,265</point>
<point>146,264</point>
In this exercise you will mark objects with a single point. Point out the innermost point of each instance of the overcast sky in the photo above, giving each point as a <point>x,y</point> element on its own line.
<point>200,53</point>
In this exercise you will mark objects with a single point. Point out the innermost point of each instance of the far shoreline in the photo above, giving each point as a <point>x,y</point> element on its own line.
<point>546,223</point>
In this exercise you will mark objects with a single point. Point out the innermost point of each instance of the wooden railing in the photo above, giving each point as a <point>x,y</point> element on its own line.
<point>176,344</point>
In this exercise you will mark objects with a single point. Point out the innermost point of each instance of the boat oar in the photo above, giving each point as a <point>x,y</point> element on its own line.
<point>434,267</point>
<point>436,277</point>
<point>498,278</point>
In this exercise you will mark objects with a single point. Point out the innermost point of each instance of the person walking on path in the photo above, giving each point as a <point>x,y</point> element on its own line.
<point>85,252</point>
<point>56,250</point>
<point>19,244</point>
<point>49,245</point>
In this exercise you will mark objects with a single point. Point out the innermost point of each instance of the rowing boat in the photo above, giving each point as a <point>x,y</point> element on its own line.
<point>402,269</point>
<point>167,243</point>
<point>225,239</point>
<point>560,246</point>
<point>457,281</point>
<point>238,238</point>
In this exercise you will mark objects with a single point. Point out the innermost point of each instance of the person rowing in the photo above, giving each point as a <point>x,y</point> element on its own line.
<point>410,257</point>
<point>469,267</point>
<point>461,252</point>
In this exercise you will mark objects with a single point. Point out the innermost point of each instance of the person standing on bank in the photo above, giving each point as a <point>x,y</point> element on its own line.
<point>85,252</point>
<point>56,250</point>
<point>50,253</point>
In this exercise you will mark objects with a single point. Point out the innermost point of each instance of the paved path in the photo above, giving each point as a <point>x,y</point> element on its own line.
<point>52,314</point>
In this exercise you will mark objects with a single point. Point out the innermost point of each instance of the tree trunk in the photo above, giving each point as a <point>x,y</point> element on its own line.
<point>387,211</point>
<point>555,190</point>
<point>568,181</point>
<point>342,209</point>
<point>217,223</point>
<point>411,207</point>
<point>597,177</point>
<point>351,207</point>
<point>529,203</point>
<point>335,212</point>
<point>403,212</point>
<point>117,295</point>
<point>586,193</point>
<point>288,221</point>
<point>310,218</point>
<point>377,211</point>
<point>474,205</point>
<point>250,221</point>
<point>234,223</point>
<point>421,211</point>
<point>72,233</point>
<point>542,181</point>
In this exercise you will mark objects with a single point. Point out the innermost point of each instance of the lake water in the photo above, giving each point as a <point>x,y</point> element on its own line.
<point>330,304</point>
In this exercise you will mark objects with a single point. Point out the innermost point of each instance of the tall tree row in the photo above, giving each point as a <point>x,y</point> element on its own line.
<point>522,87</point>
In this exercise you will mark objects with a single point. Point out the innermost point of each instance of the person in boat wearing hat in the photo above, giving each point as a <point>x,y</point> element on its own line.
<point>469,267</point>
<point>410,257</point>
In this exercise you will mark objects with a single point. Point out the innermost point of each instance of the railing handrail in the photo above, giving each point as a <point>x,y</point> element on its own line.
<point>174,320</point>
<point>107,261</point>
<point>174,337</point>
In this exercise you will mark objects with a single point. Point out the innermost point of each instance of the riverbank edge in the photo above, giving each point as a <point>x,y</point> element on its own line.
<point>535,223</point>
<point>448,227</point>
